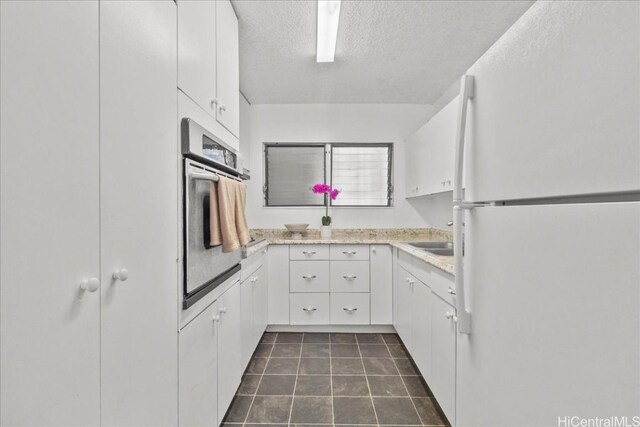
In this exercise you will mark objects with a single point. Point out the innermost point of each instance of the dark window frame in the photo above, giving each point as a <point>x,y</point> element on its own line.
<point>328,171</point>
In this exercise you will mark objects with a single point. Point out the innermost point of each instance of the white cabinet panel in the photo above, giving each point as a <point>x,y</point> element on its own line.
<point>442,376</point>
<point>138,193</point>
<point>349,276</point>
<point>421,329</point>
<point>310,309</point>
<point>228,62</point>
<point>49,218</point>
<point>403,316</point>
<point>539,125</point>
<point>309,276</point>
<point>230,366</point>
<point>260,296</point>
<point>247,323</point>
<point>197,52</point>
<point>381,257</point>
<point>199,370</point>
<point>278,284</point>
<point>349,309</point>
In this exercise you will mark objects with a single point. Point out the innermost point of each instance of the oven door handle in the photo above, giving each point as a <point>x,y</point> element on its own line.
<point>203,176</point>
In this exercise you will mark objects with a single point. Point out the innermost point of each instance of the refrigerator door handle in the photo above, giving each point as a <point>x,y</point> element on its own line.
<point>464,316</point>
<point>466,93</point>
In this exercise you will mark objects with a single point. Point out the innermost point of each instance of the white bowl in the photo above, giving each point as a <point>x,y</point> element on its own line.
<point>296,230</point>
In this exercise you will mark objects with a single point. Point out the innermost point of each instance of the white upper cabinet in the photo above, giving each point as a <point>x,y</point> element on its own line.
<point>430,154</point>
<point>197,52</point>
<point>49,222</point>
<point>228,75</point>
<point>208,64</point>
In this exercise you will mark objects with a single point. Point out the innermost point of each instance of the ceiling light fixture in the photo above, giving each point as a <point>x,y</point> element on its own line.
<point>328,18</point>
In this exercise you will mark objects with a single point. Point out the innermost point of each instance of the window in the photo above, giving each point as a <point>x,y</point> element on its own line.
<point>363,173</point>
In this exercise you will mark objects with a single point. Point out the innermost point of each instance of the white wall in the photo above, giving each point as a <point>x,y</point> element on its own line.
<point>335,123</point>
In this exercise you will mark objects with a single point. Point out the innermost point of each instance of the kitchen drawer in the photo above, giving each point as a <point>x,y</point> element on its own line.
<point>349,309</point>
<point>252,264</point>
<point>349,276</point>
<point>309,252</point>
<point>404,259</point>
<point>441,283</point>
<point>309,309</point>
<point>309,276</point>
<point>349,252</point>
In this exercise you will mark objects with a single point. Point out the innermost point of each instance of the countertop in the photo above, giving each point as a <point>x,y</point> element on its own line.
<point>397,238</point>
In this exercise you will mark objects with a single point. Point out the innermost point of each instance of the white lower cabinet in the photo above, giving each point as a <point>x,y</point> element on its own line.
<point>426,324</point>
<point>198,392</point>
<point>350,309</point>
<point>402,318</point>
<point>309,308</point>
<point>230,366</point>
<point>253,300</point>
<point>421,340</point>
<point>443,356</point>
<point>344,284</point>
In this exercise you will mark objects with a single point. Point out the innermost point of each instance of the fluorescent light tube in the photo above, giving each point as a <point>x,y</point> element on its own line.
<point>328,18</point>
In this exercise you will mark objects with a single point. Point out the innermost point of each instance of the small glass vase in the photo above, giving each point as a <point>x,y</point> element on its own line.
<point>325,232</point>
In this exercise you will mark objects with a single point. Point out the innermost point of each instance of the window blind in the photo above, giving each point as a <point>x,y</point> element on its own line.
<point>291,171</point>
<point>362,173</point>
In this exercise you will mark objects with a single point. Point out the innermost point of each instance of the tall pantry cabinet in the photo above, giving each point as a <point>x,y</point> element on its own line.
<point>88,218</point>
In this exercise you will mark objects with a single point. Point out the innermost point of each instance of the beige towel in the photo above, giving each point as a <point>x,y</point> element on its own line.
<point>227,217</point>
<point>214,216</point>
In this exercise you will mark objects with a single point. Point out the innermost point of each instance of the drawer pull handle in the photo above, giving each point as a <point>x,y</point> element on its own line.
<point>451,291</point>
<point>350,310</point>
<point>308,277</point>
<point>308,310</point>
<point>309,253</point>
<point>349,253</point>
<point>350,277</point>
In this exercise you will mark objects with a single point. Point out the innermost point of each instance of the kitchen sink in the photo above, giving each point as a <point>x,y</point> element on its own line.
<point>436,248</point>
<point>432,245</point>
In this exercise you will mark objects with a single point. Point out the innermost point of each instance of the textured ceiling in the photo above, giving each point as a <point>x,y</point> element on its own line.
<point>387,51</point>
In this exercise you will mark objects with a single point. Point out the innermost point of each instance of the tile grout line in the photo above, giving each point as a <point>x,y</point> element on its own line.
<point>255,393</point>
<point>366,378</point>
<point>403,383</point>
<point>333,414</point>
<point>295,384</point>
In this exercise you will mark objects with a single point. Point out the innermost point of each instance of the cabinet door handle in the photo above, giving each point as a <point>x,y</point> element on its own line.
<point>349,253</point>
<point>309,253</point>
<point>216,318</point>
<point>308,277</point>
<point>350,310</point>
<point>350,277</point>
<point>309,309</point>
<point>448,315</point>
<point>121,274</point>
<point>451,291</point>
<point>222,108</point>
<point>90,285</point>
<point>223,310</point>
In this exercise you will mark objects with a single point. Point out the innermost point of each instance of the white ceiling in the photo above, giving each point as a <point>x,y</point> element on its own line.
<point>387,51</point>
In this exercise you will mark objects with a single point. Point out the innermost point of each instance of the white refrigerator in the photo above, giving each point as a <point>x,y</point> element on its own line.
<point>549,280</point>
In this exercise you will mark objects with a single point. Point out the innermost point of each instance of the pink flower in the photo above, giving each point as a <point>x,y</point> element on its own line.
<point>334,193</point>
<point>321,188</point>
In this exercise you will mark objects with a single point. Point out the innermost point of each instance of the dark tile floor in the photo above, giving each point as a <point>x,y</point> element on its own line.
<point>332,379</point>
